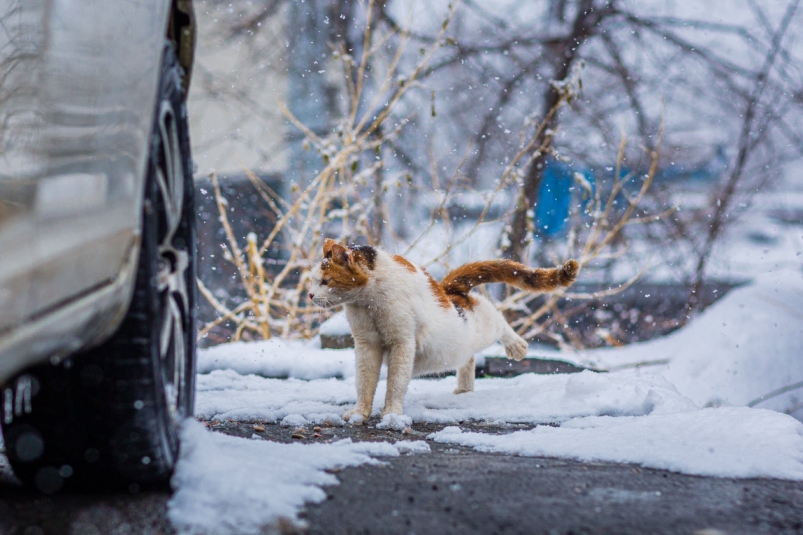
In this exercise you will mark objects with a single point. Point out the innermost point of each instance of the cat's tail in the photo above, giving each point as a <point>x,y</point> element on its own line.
<point>460,280</point>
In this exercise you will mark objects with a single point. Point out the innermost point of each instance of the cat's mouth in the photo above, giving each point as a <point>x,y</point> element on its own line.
<point>322,301</point>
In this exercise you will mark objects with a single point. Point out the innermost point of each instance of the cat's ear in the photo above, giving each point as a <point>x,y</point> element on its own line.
<point>328,246</point>
<point>341,255</point>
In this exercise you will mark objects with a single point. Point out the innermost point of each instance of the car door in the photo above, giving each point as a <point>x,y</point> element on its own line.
<point>78,128</point>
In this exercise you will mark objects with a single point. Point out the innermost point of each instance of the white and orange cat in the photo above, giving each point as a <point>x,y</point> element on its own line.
<point>403,317</point>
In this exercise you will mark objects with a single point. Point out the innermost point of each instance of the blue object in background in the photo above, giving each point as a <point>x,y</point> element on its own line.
<point>555,196</point>
<point>558,184</point>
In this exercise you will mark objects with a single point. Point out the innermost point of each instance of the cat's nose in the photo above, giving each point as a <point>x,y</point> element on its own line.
<point>311,296</point>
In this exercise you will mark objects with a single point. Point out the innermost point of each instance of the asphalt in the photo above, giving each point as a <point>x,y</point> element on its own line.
<point>454,490</point>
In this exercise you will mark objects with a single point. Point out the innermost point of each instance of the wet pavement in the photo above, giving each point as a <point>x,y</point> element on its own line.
<point>453,490</point>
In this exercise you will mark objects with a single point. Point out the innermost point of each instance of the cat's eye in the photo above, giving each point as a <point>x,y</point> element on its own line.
<point>324,282</point>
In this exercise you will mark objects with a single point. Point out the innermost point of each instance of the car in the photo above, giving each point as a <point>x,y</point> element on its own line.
<point>97,240</point>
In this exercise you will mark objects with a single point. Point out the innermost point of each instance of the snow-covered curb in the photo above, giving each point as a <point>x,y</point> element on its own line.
<point>227,484</point>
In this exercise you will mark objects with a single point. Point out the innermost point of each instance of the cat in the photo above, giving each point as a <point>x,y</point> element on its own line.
<point>400,315</point>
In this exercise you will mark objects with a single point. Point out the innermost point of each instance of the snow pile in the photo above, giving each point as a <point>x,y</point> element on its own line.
<point>337,325</point>
<point>278,358</point>
<point>227,484</point>
<point>726,442</point>
<point>744,346</point>
<point>525,399</point>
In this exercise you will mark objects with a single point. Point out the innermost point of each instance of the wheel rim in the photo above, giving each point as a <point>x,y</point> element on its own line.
<point>173,261</point>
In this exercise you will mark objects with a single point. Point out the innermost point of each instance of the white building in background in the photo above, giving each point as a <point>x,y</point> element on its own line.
<point>238,82</point>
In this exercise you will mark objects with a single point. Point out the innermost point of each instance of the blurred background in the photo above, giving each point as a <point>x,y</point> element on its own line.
<point>656,141</point>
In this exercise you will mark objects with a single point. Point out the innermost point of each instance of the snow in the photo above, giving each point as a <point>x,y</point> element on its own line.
<point>337,325</point>
<point>728,442</point>
<point>528,398</point>
<point>744,346</point>
<point>227,484</point>
<point>399,422</point>
<point>278,358</point>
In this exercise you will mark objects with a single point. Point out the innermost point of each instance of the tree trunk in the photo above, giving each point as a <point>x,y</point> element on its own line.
<point>586,23</point>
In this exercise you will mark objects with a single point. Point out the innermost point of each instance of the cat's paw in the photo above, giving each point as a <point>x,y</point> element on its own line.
<point>460,390</point>
<point>517,349</point>
<point>356,416</point>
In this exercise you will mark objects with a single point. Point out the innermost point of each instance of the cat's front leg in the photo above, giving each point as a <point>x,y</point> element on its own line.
<point>401,357</point>
<point>368,362</point>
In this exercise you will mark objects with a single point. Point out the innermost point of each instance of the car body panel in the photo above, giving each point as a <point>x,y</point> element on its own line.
<point>78,81</point>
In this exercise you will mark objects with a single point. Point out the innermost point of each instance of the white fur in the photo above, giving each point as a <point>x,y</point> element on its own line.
<point>396,319</point>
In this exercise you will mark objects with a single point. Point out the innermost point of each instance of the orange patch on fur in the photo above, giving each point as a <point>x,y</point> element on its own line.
<point>461,280</point>
<point>340,268</point>
<point>462,301</point>
<point>437,291</point>
<point>328,244</point>
<point>343,277</point>
<point>406,263</point>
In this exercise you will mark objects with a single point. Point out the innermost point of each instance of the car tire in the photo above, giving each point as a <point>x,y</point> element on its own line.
<point>112,414</point>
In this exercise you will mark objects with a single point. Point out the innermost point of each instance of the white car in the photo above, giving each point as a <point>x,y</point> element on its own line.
<point>97,261</point>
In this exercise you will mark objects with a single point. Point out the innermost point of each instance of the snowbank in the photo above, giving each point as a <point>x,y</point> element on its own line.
<point>337,325</point>
<point>744,346</point>
<point>227,484</point>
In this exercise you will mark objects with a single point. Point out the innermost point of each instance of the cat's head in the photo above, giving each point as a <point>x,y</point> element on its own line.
<point>342,274</point>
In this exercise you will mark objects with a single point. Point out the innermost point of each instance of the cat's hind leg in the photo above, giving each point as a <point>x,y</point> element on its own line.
<point>465,377</point>
<point>515,345</point>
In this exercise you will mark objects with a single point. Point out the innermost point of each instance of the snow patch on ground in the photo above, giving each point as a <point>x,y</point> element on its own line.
<point>227,484</point>
<point>726,442</point>
<point>528,398</point>
<point>399,422</point>
<point>278,358</point>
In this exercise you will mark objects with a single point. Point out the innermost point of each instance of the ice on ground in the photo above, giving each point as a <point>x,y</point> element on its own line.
<point>278,358</point>
<point>412,446</point>
<point>725,442</point>
<point>744,346</point>
<point>227,484</point>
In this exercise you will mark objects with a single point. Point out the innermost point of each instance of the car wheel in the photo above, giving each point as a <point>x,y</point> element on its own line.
<point>112,414</point>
